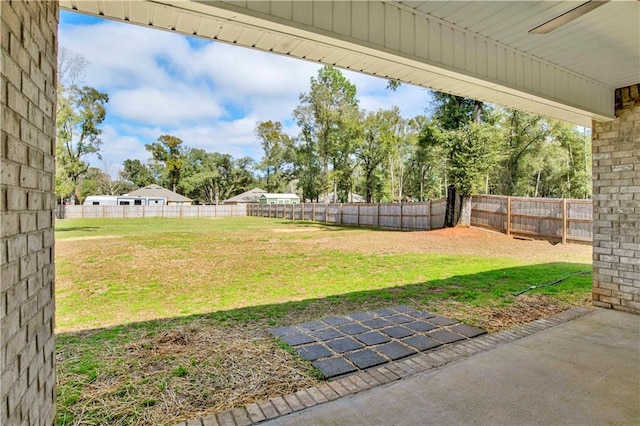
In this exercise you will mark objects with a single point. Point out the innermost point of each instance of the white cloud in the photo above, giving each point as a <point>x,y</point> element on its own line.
<point>122,55</point>
<point>211,95</point>
<point>154,105</point>
<point>116,148</point>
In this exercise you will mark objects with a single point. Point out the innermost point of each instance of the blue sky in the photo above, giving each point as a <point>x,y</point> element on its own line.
<point>209,94</point>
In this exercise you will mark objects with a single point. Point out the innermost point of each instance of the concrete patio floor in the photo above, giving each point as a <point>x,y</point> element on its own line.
<point>583,371</point>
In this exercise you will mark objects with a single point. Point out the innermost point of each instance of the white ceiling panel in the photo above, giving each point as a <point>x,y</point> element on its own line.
<point>471,48</point>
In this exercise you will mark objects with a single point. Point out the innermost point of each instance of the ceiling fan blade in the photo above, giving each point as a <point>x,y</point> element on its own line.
<point>567,17</point>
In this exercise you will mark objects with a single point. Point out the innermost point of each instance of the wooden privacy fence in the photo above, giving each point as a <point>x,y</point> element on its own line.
<point>85,212</point>
<point>556,219</point>
<point>564,220</point>
<point>392,216</point>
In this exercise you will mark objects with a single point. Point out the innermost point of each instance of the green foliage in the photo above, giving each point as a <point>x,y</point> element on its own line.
<point>210,177</point>
<point>97,182</point>
<point>181,371</point>
<point>380,155</point>
<point>79,115</point>
<point>276,164</point>
<point>372,150</point>
<point>167,156</point>
<point>427,162</point>
<point>327,117</point>
<point>137,173</point>
<point>474,150</point>
<point>452,112</point>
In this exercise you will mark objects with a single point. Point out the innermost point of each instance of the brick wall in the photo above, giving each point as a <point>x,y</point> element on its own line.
<point>27,148</point>
<point>616,205</point>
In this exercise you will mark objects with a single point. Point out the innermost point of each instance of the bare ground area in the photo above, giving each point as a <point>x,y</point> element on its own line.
<point>462,241</point>
<point>182,370</point>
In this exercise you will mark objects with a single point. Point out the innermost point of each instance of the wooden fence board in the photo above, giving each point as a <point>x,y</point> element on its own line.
<point>409,217</point>
<point>535,217</point>
<point>121,212</point>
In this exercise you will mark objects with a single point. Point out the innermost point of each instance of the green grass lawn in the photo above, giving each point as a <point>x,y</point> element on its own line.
<point>124,285</point>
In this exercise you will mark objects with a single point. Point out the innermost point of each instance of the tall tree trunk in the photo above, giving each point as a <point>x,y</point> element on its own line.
<point>465,212</point>
<point>422,183</point>
<point>464,219</point>
<point>450,211</point>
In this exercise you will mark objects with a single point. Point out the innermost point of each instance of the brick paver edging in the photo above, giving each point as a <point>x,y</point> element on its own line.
<point>376,376</point>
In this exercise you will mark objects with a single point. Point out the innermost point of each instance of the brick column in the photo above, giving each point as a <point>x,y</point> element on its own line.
<point>27,149</point>
<point>616,205</point>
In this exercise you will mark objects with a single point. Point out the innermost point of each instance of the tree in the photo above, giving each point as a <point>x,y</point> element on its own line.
<point>167,156</point>
<point>210,177</point>
<point>452,112</point>
<point>471,140</point>
<point>307,166</point>
<point>79,114</point>
<point>326,116</point>
<point>278,155</point>
<point>576,171</point>
<point>137,173</point>
<point>525,136</point>
<point>97,181</point>
<point>427,162</point>
<point>379,143</point>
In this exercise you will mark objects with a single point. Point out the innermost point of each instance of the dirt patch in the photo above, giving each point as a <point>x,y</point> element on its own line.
<point>97,237</point>
<point>294,230</point>
<point>460,241</point>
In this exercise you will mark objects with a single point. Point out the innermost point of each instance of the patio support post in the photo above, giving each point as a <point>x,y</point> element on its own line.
<point>29,47</point>
<point>616,205</point>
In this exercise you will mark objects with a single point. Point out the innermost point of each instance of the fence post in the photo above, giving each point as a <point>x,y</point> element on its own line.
<point>378,217</point>
<point>326,213</point>
<point>401,215</point>
<point>429,228</point>
<point>564,221</point>
<point>358,214</point>
<point>340,213</point>
<point>313,212</point>
<point>508,230</point>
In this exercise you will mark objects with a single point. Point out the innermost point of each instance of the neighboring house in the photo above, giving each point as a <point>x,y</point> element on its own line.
<point>351,198</point>
<point>156,191</point>
<point>249,197</point>
<point>123,200</point>
<point>267,198</point>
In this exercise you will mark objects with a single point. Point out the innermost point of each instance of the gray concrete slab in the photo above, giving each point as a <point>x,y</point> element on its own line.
<point>585,371</point>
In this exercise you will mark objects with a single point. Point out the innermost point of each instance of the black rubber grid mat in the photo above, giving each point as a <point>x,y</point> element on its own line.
<point>341,345</point>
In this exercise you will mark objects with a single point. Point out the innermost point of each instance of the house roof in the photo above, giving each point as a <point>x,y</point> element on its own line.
<point>154,190</point>
<point>279,196</point>
<point>250,196</point>
<point>351,198</point>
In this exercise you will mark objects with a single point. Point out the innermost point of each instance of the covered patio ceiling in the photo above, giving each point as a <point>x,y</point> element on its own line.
<point>480,49</point>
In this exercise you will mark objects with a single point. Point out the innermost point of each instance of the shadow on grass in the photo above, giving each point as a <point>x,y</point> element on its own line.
<point>329,226</point>
<point>79,228</point>
<point>489,288</point>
